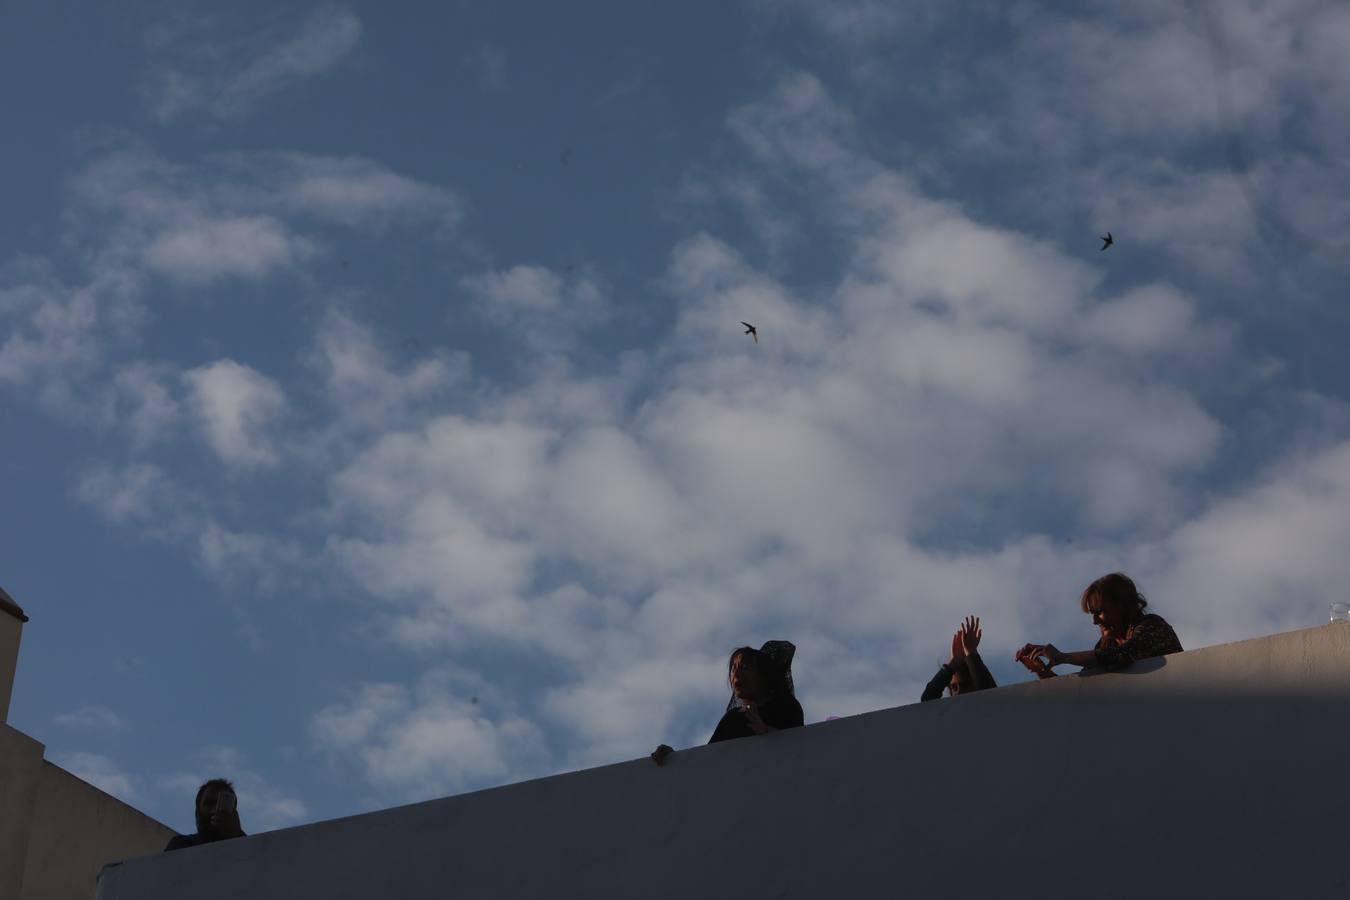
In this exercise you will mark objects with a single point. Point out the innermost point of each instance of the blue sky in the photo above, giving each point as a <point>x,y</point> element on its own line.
<point>379,425</point>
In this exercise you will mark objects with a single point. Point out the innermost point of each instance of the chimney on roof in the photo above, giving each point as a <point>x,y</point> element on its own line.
<point>11,632</point>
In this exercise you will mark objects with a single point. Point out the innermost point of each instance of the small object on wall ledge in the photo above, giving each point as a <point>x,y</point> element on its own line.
<point>8,605</point>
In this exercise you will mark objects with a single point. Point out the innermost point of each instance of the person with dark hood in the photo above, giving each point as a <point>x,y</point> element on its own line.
<point>1128,634</point>
<point>217,816</point>
<point>964,672</point>
<point>762,696</point>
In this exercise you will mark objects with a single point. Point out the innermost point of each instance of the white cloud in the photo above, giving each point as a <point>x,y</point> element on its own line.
<point>1150,319</point>
<point>487,64</point>
<point>202,251</point>
<point>146,405</point>
<point>896,450</point>
<point>834,483</point>
<point>615,505</point>
<point>543,309</point>
<point>140,493</point>
<point>799,125</point>
<point>366,388</point>
<point>853,21</point>
<point>232,556</point>
<point>1127,81</point>
<point>103,773</point>
<point>227,79</point>
<point>520,289</point>
<point>629,709</point>
<point>443,552</point>
<point>238,409</point>
<point>241,215</point>
<point>1201,216</point>
<point>838,483</point>
<point>99,718</point>
<point>1265,560</point>
<point>54,336</point>
<point>145,497</point>
<point>777,227</point>
<point>430,742</point>
<point>354,192</point>
<point>1177,127</point>
<point>263,805</point>
<point>325,38</point>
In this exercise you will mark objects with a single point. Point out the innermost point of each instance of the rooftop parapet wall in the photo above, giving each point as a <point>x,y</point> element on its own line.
<point>75,830</point>
<point>1214,772</point>
<point>20,781</point>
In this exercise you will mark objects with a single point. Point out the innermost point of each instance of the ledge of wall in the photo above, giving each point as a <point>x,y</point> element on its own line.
<point>7,605</point>
<point>1213,772</point>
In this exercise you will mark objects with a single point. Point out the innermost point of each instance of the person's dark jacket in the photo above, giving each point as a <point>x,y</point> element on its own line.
<point>977,673</point>
<point>182,841</point>
<point>779,712</point>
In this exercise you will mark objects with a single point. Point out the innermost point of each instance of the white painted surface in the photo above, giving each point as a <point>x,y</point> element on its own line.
<point>57,832</point>
<point>75,831</point>
<point>20,778</point>
<point>1220,772</point>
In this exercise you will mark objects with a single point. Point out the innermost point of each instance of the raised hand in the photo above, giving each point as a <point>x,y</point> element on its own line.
<point>958,650</point>
<point>970,635</point>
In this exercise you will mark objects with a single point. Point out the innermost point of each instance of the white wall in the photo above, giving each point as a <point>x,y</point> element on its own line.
<point>56,831</point>
<point>1220,772</point>
<point>20,778</point>
<point>75,831</point>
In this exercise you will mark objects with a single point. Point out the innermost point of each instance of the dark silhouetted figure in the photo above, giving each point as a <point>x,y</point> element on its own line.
<point>217,816</point>
<point>964,672</point>
<point>1107,241</point>
<point>1127,632</point>
<point>762,696</point>
<point>752,331</point>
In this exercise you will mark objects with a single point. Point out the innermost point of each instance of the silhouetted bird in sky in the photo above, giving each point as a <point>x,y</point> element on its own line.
<point>1107,241</point>
<point>752,331</point>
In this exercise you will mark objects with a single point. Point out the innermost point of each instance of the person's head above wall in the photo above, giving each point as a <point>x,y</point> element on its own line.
<point>757,674</point>
<point>1114,602</point>
<point>216,800</point>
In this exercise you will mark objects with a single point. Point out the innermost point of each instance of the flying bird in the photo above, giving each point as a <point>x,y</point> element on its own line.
<point>752,331</point>
<point>1107,241</point>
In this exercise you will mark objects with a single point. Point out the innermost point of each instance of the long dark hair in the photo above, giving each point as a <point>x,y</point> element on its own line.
<point>1118,591</point>
<point>773,663</point>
